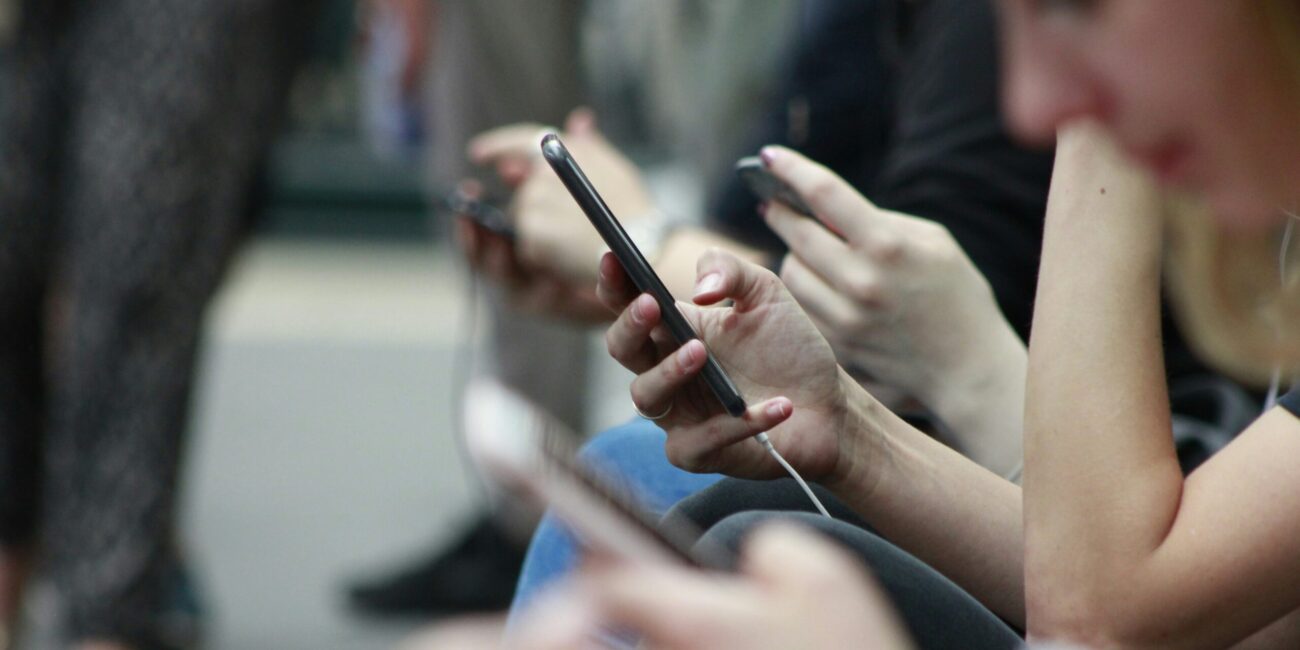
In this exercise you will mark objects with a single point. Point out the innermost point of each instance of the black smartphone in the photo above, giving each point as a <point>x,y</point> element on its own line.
<point>636,265</point>
<point>768,187</point>
<point>482,212</point>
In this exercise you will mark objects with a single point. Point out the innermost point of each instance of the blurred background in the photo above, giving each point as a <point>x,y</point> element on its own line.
<point>241,207</point>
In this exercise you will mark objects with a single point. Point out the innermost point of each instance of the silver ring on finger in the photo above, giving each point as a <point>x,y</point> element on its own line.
<point>653,418</point>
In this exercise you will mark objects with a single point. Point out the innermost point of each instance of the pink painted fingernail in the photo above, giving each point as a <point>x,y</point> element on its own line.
<point>708,283</point>
<point>769,155</point>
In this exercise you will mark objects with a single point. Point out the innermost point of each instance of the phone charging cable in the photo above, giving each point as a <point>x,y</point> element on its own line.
<point>767,444</point>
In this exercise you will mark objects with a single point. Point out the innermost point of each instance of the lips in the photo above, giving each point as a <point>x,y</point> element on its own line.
<point>1170,161</point>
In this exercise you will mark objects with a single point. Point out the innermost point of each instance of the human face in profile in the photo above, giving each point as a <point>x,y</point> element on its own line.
<point>1203,93</point>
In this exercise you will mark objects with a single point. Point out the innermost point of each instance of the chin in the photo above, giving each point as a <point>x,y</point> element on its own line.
<point>1244,211</point>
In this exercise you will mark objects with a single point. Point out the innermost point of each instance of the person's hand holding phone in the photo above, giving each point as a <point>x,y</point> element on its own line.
<point>553,235</point>
<point>897,297</point>
<point>775,356</point>
<point>793,589</point>
<point>492,254</point>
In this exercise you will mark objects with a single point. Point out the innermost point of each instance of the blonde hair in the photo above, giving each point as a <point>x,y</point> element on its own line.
<point>1235,295</point>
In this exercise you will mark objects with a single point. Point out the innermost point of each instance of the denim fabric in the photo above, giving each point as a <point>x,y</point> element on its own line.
<point>631,455</point>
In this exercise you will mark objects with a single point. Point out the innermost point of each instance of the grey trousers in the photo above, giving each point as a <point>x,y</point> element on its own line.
<point>498,62</point>
<point>938,613</point>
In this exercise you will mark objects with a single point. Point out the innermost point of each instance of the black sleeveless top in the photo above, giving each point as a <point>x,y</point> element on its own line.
<point>1291,401</point>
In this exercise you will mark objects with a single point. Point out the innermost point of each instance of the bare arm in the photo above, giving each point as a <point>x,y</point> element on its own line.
<point>676,259</point>
<point>1119,549</point>
<point>951,513</point>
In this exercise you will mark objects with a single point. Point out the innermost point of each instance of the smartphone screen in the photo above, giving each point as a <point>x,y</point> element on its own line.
<point>636,265</point>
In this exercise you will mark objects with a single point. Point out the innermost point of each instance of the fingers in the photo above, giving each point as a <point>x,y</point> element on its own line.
<point>653,391</point>
<point>486,251</point>
<point>825,304</point>
<point>628,339</point>
<point>613,287</point>
<point>836,203</point>
<point>512,150</point>
<point>671,607</point>
<point>563,616</point>
<point>805,567</point>
<point>580,122</point>
<point>512,140</point>
<point>721,276</point>
<point>696,448</point>
<point>842,267</point>
<point>788,555</point>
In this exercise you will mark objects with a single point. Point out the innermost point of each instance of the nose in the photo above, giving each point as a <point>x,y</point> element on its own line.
<point>1042,91</point>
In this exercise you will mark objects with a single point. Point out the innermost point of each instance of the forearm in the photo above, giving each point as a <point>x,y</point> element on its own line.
<point>676,259</point>
<point>1102,482</point>
<point>933,502</point>
<point>983,403</point>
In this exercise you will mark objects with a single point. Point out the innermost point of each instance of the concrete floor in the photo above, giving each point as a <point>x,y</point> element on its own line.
<point>322,446</point>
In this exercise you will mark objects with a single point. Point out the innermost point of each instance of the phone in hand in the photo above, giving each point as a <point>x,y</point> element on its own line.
<point>768,187</point>
<point>642,274</point>
<point>482,212</point>
<point>530,455</point>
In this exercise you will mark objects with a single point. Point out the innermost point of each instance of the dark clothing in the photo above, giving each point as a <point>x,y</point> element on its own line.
<point>1291,401</point>
<point>937,612</point>
<point>130,131</point>
<point>902,100</point>
<point>834,105</point>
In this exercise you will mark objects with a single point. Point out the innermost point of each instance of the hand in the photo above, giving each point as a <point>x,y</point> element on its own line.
<point>894,294</point>
<point>530,291</point>
<point>778,360</point>
<point>554,234</point>
<point>794,590</point>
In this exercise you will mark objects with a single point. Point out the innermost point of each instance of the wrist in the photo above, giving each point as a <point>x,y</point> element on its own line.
<point>650,229</point>
<point>982,403</point>
<point>859,420</point>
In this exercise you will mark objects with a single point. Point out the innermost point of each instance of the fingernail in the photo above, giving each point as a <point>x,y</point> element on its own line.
<point>778,408</point>
<point>762,208</point>
<point>708,283</point>
<point>686,354</point>
<point>768,155</point>
<point>641,310</point>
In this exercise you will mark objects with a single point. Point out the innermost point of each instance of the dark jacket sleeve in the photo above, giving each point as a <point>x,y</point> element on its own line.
<point>833,106</point>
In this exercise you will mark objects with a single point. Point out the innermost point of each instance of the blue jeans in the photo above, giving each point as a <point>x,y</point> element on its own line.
<point>631,455</point>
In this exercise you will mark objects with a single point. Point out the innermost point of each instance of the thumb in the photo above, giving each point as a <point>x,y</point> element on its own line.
<point>790,555</point>
<point>580,122</point>
<point>808,567</point>
<point>721,275</point>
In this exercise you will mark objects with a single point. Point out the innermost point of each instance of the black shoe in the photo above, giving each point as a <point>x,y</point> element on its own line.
<point>477,573</point>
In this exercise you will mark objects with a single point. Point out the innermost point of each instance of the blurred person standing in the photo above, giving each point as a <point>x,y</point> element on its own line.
<point>130,135</point>
<point>682,79</point>
<point>491,62</point>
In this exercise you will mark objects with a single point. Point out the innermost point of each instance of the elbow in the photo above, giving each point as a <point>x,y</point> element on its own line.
<point>1096,619</point>
<point>1064,615</point>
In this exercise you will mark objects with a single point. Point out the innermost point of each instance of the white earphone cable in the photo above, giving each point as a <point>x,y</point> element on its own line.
<point>767,444</point>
